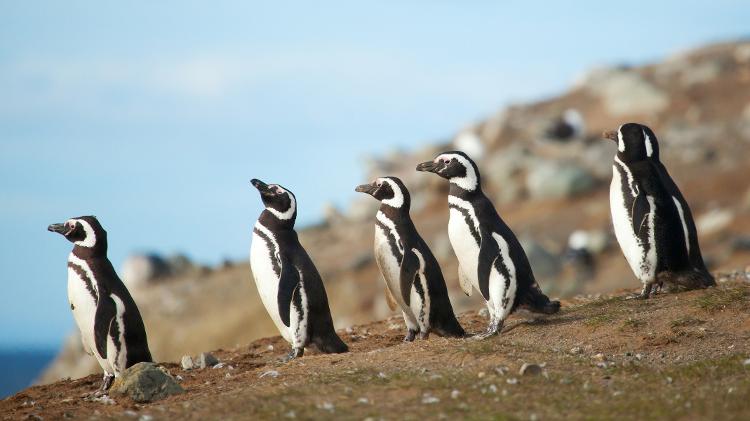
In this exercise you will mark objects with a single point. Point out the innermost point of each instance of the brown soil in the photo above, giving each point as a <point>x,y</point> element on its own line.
<point>675,356</point>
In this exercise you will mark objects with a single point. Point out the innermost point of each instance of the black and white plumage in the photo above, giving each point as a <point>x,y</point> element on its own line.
<point>411,273</point>
<point>288,282</point>
<point>653,223</point>
<point>111,326</point>
<point>489,255</point>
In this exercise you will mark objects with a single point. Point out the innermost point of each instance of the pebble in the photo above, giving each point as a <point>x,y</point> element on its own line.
<point>599,357</point>
<point>206,359</point>
<point>269,347</point>
<point>746,362</point>
<point>146,417</point>
<point>455,393</point>
<point>530,370</point>
<point>269,373</point>
<point>327,406</point>
<point>291,414</point>
<point>363,401</point>
<point>512,380</point>
<point>429,399</point>
<point>187,362</point>
<point>501,370</point>
<point>576,350</point>
<point>493,388</point>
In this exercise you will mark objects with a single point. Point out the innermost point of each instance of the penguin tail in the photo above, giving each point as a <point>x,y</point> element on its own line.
<point>686,280</point>
<point>330,343</point>
<point>450,328</point>
<point>536,302</point>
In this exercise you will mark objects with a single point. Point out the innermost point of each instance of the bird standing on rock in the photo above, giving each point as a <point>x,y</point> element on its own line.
<point>111,326</point>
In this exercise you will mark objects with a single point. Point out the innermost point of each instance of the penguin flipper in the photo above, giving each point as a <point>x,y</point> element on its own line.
<point>464,281</point>
<point>641,209</point>
<point>105,313</point>
<point>488,251</point>
<point>409,267</point>
<point>288,282</point>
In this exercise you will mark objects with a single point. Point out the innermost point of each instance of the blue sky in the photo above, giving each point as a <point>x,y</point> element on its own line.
<point>155,115</point>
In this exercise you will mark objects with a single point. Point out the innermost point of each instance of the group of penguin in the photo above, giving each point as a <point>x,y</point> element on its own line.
<point>652,221</point>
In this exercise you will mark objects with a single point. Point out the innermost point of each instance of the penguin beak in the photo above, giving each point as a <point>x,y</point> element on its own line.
<point>366,188</point>
<point>58,228</point>
<point>611,135</point>
<point>429,166</point>
<point>261,186</point>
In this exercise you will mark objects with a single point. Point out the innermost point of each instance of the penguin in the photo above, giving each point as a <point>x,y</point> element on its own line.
<point>413,279</point>
<point>490,257</point>
<point>288,282</point>
<point>111,326</point>
<point>652,221</point>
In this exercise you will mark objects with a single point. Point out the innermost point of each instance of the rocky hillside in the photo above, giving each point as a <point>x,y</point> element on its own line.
<point>548,171</point>
<point>675,356</point>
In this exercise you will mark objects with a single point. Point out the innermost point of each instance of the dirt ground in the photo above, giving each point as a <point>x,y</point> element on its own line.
<point>675,356</point>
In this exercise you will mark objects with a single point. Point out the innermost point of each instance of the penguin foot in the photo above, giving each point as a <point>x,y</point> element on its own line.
<point>106,384</point>
<point>410,335</point>
<point>294,353</point>
<point>424,334</point>
<point>493,329</point>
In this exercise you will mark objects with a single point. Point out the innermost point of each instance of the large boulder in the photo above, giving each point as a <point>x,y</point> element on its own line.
<point>554,180</point>
<point>626,92</point>
<point>146,382</point>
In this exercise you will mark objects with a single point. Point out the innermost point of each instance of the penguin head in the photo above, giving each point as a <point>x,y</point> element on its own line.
<point>635,142</point>
<point>279,201</point>
<point>83,231</point>
<point>456,167</point>
<point>390,191</point>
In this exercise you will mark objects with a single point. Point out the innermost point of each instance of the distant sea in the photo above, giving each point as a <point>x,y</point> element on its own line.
<point>21,368</point>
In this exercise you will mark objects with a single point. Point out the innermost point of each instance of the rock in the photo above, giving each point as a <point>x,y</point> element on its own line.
<point>714,221</point>
<point>554,180</point>
<point>187,362</point>
<point>545,264</point>
<point>455,394</point>
<point>568,126</point>
<point>468,142</point>
<point>139,270</point>
<point>146,382</point>
<point>626,92</point>
<point>701,73</point>
<point>594,241</point>
<point>530,370</point>
<point>742,53</point>
<point>599,357</point>
<point>269,373</point>
<point>206,359</point>
<point>429,399</point>
<point>576,350</point>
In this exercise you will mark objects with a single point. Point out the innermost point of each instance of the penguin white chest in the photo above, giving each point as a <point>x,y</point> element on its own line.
<point>263,261</point>
<point>82,302</point>
<point>640,254</point>
<point>464,245</point>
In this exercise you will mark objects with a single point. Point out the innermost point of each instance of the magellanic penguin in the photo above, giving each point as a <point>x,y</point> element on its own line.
<point>111,326</point>
<point>489,255</point>
<point>414,281</point>
<point>652,220</point>
<point>288,282</point>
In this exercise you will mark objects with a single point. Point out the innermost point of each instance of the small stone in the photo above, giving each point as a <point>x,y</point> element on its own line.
<point>493,388</point>
<point>576,350</point>
<point>566,380</point>
<point>269,347</point>
<point>501,370</point>
<point>130,413</point>
<point>269,373</point>
<point>530,370</point>
<point>668,380</point>
<point>327,406</point>
<point>382,375</point>
<point>187,362</point>
<point>291,414</point>
<point>429,399</point>
<point>146,417</point>
<point>146,382</point>
<point>206,359</point>
<point>599,357</point>
<point>512,380</point>
<point>481,374</point>
<point>746,362</point>
<point>219,365</point>
<point>455,393</point>
<point>363,401</point>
